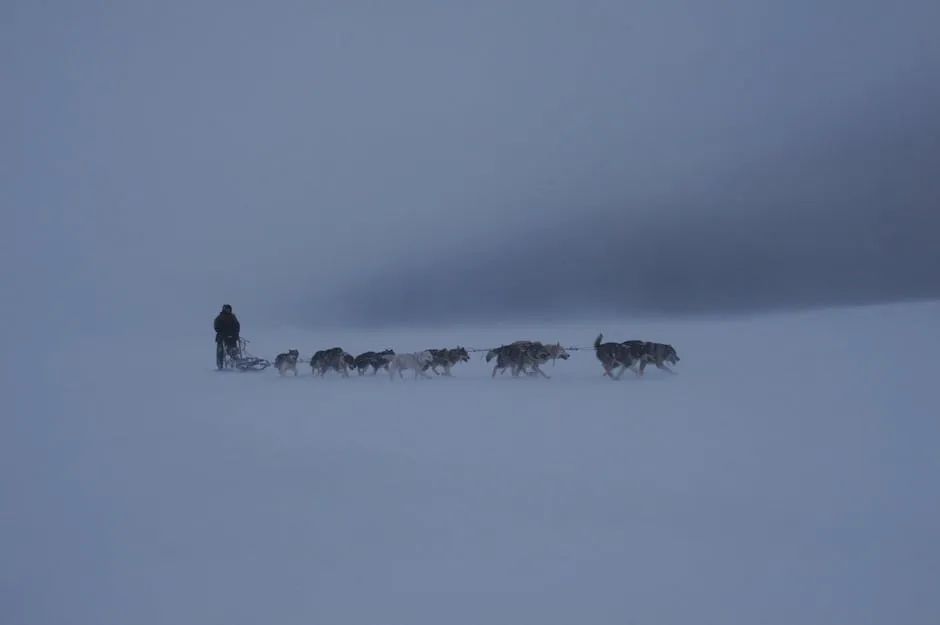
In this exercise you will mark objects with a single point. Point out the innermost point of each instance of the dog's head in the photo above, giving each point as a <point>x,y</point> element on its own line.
<point>459,354</point>
<point>671,356</point>
<point>539,355</point>
<point>290,356</point>
<point>349,359</point>
<point>424,357</point>
<point>387,352</point>
<point>560,352</point>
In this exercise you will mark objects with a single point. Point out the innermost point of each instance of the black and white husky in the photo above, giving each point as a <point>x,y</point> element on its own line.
<point>657,354</point>
<point>634,355</point>
<point>376,360</point>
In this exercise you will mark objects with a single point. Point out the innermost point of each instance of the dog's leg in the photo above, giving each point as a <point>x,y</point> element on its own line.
<point>662,365</point>
<point>623,367</point>
<point>539,370</point>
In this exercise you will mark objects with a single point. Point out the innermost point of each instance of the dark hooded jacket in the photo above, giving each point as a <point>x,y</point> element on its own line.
<point>226,326</point>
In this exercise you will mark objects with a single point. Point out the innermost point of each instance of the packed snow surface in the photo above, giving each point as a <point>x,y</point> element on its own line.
<point>787,475</point>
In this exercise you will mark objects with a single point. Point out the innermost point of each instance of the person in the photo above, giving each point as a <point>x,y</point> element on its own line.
<point>227,329</point>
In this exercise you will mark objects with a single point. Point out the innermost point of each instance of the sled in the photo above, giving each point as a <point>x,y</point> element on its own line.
<point>239,359</point>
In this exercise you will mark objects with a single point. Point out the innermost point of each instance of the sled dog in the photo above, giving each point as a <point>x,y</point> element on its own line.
<point>625,355</point>
<point>418,361</point>
<point>376,360</point>
<point>334,359</point>
<point>634,355</point>
<point>447,358</point>
<point>287,361</point>
<point>658,354</point>
<point>516,356</point>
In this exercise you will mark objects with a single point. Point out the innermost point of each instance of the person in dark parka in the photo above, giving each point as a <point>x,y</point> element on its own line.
<point>227,329</point>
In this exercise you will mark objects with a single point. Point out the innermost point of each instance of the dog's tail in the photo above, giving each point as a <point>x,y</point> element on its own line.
<point>597,341</point>
<point>490,355</point>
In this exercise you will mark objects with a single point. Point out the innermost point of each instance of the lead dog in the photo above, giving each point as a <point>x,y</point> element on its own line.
<point>634,355</point>
<point>287,362</point>
<point>658,354</point>
<point>626,355</point>
<point>418,361</point>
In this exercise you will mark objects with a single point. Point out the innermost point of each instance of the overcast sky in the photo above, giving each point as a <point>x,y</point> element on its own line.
<point>377,161</point>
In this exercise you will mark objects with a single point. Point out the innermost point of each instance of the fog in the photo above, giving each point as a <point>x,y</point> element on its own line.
<point>362,164</point>
<point>340,162</point>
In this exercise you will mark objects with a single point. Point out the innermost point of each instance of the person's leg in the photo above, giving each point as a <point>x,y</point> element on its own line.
<point>219,354</point>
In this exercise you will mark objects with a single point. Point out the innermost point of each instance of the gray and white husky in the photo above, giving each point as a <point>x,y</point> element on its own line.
<point>417,361</point>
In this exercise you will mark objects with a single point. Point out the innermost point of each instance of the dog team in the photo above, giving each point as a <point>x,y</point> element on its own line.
<point>339,360</point>
<point>519,357</point>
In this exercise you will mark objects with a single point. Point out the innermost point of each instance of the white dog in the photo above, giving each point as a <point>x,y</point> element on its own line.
<point>414,360</point>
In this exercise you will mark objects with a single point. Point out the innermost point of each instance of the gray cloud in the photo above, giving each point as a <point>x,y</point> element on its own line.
<point>804,177</point>
<point>318,161</point>
<point>845,218</point>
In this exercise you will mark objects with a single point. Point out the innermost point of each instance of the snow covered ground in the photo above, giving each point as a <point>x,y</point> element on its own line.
<point>788,475</point>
